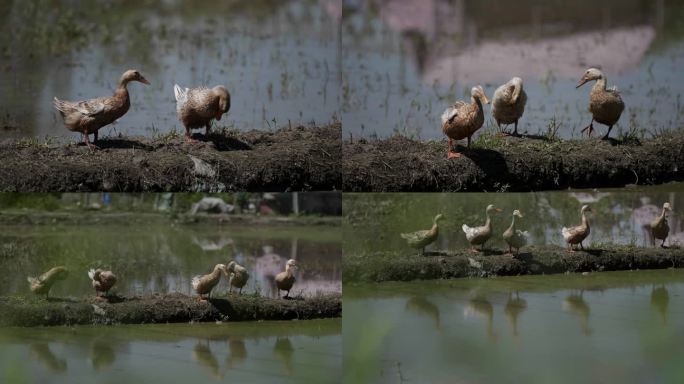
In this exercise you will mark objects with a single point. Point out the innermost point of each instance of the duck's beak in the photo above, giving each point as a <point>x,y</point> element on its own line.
<point>144,81</point>
<point>218,115</point>
<point>486,100</point>
<point>498,209</point>
<point>521,215</point>
<point>582,81</point>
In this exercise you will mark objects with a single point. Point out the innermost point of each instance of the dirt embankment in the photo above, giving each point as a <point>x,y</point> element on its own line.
<point>392,266</point>
<point>289,159</point>
<point>510,164</point>
<point>171,308</point>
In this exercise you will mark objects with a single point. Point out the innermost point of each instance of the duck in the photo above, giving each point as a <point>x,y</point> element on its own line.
<point>285,280</point>
<point>577,234</point>
<point>461,120</point>
<point>102,281</point>
<point>480,235</point>
<point>197,107</point>
<point>515,238</point>
<point>605,104</point>
<point>203,284</point>
<point>239,276</point>
<point>659,227</point>
<point>423,238</point>
<point>42,284</point>
<point>89,116</point>
<point>508,103</point>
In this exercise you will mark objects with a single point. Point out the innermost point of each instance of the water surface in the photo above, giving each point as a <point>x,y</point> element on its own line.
<point>622,327</point>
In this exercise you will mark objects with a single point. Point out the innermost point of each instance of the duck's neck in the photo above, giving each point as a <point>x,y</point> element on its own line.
<point>585,222</point>
<point>288,271</point>
<point>123,85</point>
<point>662,215</point>
<point>216,272</point>
<point>601,83</point>
<point>488,223</point>
<point>512,227</point>
<point>476,101</point>
<point>435,228</point>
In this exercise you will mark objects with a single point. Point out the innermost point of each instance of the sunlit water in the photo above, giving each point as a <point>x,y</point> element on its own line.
<point>279,60</point>
<point>621,327</point>
<point>373,222</point>
<point>161,258</point>
<point>405,61</point>
<point>263,352</point>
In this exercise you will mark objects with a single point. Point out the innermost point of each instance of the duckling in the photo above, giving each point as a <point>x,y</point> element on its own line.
<point>659,227</point>
<point>480,235</point>
<point>423,238</point>
<point>508,103</point>
<point>41,285</point>
<point>462,120</point>
<point>102,281</point>
<point>196,107</point>
<point>576,235</point>
<point>90,115</point>
<point>605,104</point>
<point>239,276</point>
<point>285,280</point>
<point>203,284</point>
<point>515,238</point>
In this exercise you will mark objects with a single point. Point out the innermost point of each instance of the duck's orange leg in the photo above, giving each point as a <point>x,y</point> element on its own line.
<point>590,128</point>
<point>188,136</point>
<point>90,145</point>
<point>451,153</point>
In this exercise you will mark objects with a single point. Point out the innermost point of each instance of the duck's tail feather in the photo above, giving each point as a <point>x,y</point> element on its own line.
<point>180,93</point>
<point>91,274</point>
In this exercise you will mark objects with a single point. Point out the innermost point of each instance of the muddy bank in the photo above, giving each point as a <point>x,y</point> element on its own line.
<point>510,164</point>
<point>171,308</point>
<point>289,159</point>
<point>127,218</point>
<point>389,266</point>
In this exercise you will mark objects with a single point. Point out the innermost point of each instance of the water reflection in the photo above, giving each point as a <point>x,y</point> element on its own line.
<point>238,353</point>
<point>420,305</point>
<point>163,259</point>
<point>203,355</point>
<point>566,322</point>
<point>515,306</point>
<point>44,355</point>
<point>407,60</point>
<point>102,355</point>
<point>619,217</point>
<point>284,350</point>
<point>575,304</point>
<point>279,59</point>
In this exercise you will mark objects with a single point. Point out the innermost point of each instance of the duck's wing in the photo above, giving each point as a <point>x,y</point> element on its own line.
<point>470,232</point>
<point>196,282</point>
<point>452,112</point>
<point>569,233</point>
<point>415,236</point>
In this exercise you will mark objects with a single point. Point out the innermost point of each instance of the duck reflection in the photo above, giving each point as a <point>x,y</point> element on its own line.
<point>514,307</point>
<point>102,355</point>
<point>43,354</point>
<point>576,305</point>
<point>237,354</point>
<point>660,299</point>
<point>480,307</point>
<point>205,357</point>
<point>424,307</point>
<point>283,350</point>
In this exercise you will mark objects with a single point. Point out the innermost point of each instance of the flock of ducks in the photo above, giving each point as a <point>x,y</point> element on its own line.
<point>516,238</point>
<point>196,108</point>
<point>103,281</point>
<point>463,119</point>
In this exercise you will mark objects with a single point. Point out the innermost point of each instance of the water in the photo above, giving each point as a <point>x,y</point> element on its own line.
<point>280,60</point>
<point>622,327</point>
<point>264,352</point>
<point>373,222</point>
<point>158,257</point>
<point>405,61</point>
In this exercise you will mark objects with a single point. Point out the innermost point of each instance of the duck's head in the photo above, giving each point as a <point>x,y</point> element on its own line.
<point>590,75</point>
<point>667,206</point>
<point>437,218</point>
<point>492,209</point>
<point>133,75</point>
<point>223,100</point>
<point>291,264</point>
<point>586,208</point>
<point>517,213</point>
<point>477,92</point>
<point>229,268</point>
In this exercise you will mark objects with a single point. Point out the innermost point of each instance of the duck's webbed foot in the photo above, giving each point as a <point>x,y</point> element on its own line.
<point>188,137</point>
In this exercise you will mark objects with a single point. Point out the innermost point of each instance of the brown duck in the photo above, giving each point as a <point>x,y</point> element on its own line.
<point>659,227</point>
<point>576,235</point>
<point>205,283</point>
<point>102,281</point>
<point>41,285</point>
<point>285,280</point>
<point>605,104</point>
<point>90,115</point>
<point>461,120</point>
<point>196,107</point>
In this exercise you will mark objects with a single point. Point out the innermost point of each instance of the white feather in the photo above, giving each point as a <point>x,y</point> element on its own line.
<point>195,282</point>
<point>91,274</point>
<point>448,114</point>
<point>469,232</point>
<point>566,233</point>
<point>180,93</point>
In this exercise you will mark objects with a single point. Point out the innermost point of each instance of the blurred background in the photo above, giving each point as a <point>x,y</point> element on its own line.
<point>405,61</point>
<point>280,60</point>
